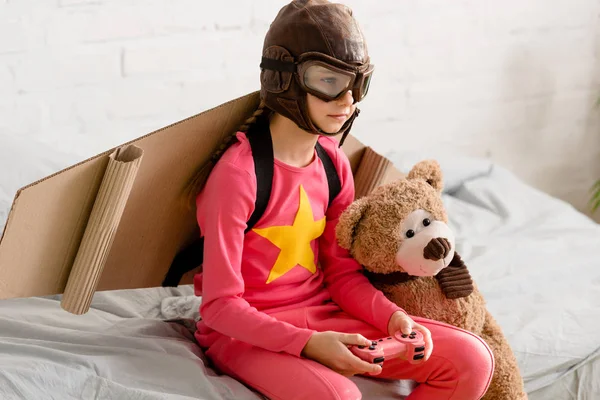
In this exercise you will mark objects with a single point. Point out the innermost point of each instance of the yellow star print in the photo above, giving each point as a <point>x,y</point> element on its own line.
<point>294,241</point>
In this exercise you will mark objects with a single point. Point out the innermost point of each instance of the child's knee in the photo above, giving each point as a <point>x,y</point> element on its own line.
<point>478,359</point>
<point>482,357</point>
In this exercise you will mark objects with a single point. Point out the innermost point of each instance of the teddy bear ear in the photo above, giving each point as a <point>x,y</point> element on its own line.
<point>348,222</point>
<point>430,171</point>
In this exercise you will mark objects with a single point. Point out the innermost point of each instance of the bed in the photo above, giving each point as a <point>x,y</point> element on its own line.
<point>533,257</point>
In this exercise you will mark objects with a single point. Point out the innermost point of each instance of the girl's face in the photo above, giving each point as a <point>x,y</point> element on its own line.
<point>330,116</point>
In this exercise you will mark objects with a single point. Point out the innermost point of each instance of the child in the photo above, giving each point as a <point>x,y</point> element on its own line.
<point>282,303</point>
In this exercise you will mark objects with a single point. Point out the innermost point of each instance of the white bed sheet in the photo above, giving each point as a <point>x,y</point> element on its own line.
<point>123,348</point>
<point>116,351</point>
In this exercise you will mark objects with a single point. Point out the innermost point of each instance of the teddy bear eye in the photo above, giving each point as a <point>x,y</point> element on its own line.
<point>410,233</point>
<point>426,222</point>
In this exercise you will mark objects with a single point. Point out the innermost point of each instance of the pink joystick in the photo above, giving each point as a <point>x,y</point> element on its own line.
<point>408,347</point>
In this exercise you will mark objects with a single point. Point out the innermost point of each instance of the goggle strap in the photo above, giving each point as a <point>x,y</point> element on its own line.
<point>278,65</point>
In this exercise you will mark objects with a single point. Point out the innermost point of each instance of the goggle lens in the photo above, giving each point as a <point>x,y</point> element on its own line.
<point>326,81</point>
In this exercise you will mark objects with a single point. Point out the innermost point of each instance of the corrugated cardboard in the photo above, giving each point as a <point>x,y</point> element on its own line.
<point>105,218</point>
<point>52,223</point>
<point>374,170</point>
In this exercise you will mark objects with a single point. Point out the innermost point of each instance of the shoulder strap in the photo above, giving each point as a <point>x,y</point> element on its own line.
<point>185,261</point>
<point>262,153</point>
<point>333,179</point>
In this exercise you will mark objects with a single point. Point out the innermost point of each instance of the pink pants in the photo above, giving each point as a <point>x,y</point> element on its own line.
<point>460,367</point>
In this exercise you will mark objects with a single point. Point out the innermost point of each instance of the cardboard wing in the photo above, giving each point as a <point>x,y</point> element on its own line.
<point>116,220</point>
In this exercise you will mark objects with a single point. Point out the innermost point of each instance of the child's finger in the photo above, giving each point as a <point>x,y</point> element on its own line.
<point>406,326</point>
<point>354,339</point>
<point>361,366</point>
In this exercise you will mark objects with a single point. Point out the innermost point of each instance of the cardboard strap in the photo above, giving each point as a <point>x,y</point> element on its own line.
<point>100,230</point>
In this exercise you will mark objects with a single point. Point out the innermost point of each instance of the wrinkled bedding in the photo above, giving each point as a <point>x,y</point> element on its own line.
<point>132,344</point>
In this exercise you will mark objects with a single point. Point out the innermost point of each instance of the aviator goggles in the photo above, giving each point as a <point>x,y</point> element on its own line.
<point>325,77</point>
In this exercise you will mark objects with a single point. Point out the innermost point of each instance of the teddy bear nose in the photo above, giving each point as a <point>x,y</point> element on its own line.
<point>437,249</point>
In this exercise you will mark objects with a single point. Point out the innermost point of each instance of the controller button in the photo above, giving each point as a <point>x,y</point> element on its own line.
<point>389,338</point>
<point>373,342</point>
<point>361,347</point>
<point>381,340</point>
<point>371,347</point>
<point>418,349</point>
<point>378,360</point>
<point>404,335</point>
<point>418,356</point>
<point>413,333</point>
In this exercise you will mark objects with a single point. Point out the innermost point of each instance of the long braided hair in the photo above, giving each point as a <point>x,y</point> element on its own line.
<point>199,179</point>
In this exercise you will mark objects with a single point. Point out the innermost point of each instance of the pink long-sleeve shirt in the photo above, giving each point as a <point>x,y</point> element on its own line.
<point>289,260</point>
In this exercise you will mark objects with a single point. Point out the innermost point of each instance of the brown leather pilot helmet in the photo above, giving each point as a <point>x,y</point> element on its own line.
<point>316,47</point>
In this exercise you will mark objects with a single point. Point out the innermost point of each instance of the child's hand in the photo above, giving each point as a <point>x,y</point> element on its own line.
<point>405,324</point>
<point>331,349</point>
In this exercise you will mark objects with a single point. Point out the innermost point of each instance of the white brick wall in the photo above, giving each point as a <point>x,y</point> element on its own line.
<point>515,81</point>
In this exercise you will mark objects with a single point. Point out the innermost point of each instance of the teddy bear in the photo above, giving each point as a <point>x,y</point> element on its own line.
<point>400,234</point>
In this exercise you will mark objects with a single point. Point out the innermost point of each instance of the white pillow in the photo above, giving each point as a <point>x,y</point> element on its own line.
<point>24,161</point>
<point>456,169</point>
